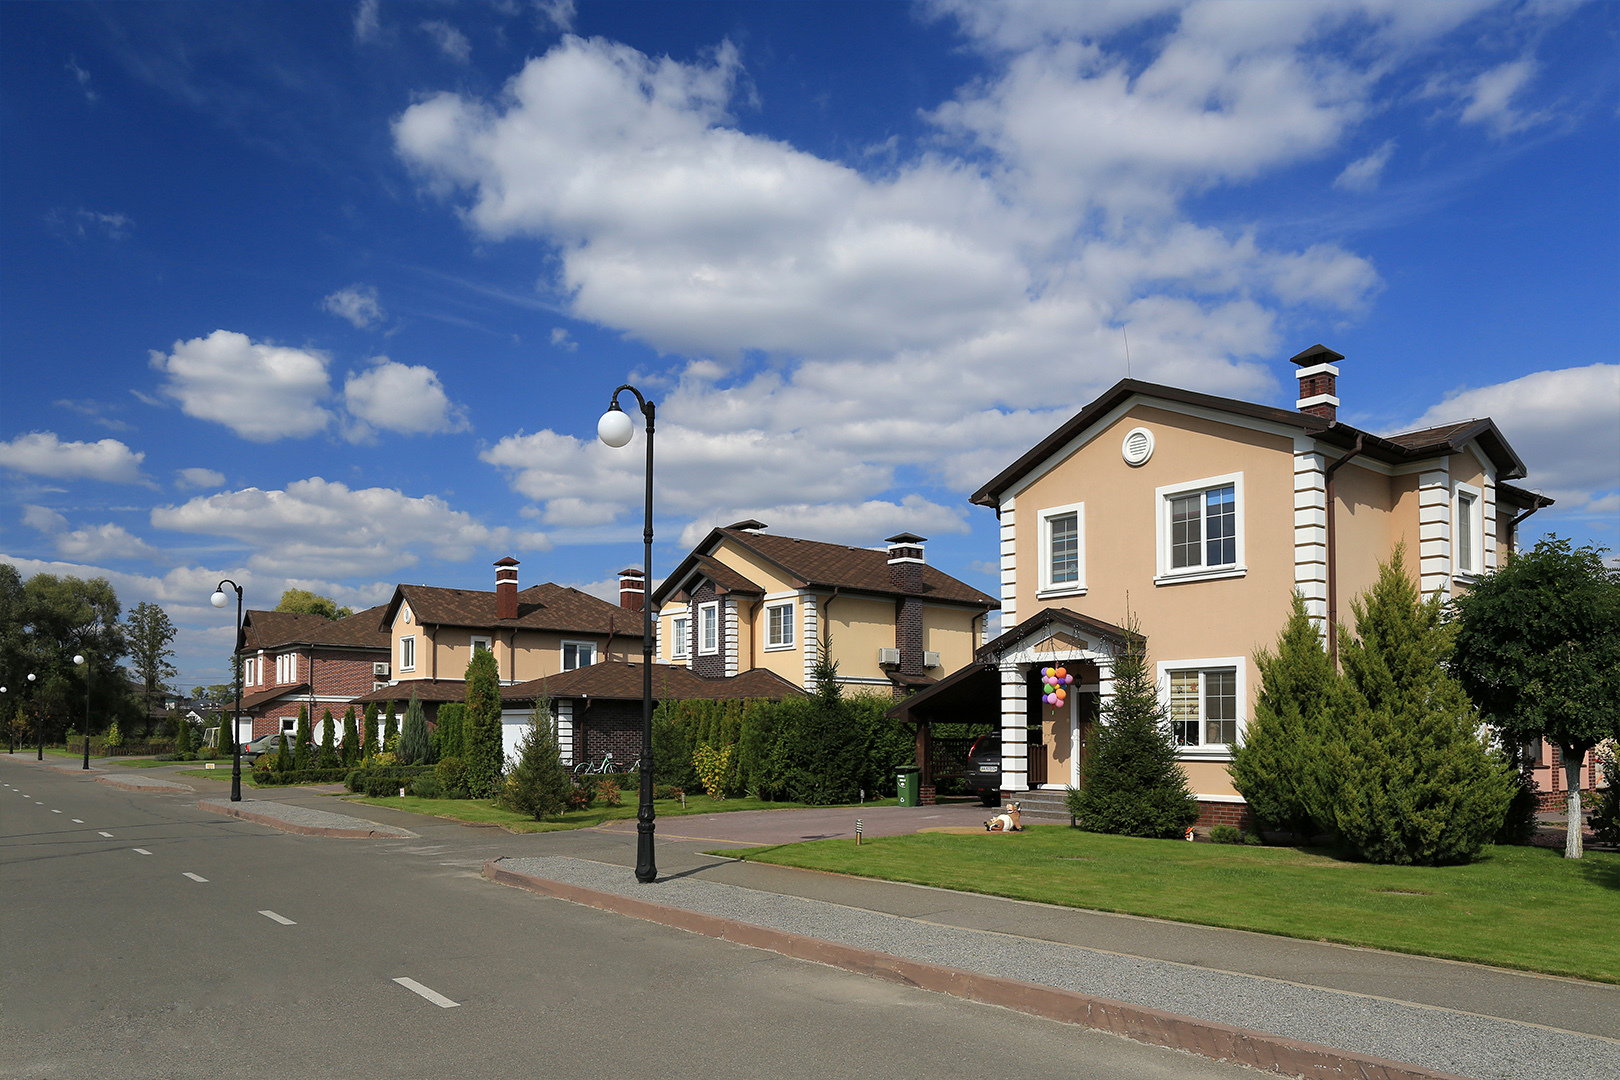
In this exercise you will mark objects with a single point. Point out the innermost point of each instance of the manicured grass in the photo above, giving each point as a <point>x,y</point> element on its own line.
<point>1516,907</point>
<point>222,774</point>
<point>152,763</point>
<point>479,810</point>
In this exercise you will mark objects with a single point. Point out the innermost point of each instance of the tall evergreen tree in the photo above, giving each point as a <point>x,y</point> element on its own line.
<point>350,752</point>
<point>451,716</point>
<point>328,758</point>
<point>481,726</point>
<point>284,760</point>
<point>1132,784</point>
<point>371,747</point>
<point>390,737</point>
<point>301,745</point>
<point>1416,783</point>
<point>413,734</point>
<point>540,786</point>
<point>1277,766</point>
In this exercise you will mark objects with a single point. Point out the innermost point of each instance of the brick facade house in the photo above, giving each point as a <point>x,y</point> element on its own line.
<point>289,661</point>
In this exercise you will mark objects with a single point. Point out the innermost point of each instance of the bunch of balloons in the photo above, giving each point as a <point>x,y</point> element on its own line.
<point>1055,679</point>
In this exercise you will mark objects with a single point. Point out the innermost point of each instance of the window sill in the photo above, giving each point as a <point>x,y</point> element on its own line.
<point>779,648</point>
<point>1202,575</point>
<point>1466,577</point>
<point>1056,594</point>
<point>1220,752</point>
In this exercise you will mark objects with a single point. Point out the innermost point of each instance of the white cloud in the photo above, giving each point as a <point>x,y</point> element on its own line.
<point>260,391</point>
<point>357,303</point>
<point>561,340</point>
<point>44,519</point>
<point>856,524</point>
<point>366,24</point>
<point>1363,174</point>
<point>41,453</point>
<point>556,14</point>
<point>321,527</point>
<point>1490,98</point>
<point>1564,424</point>
<point>198,478</point>
<point>83,76</point>
<point>452,42</point>
<point>399,397</point>
<point>104,542</point>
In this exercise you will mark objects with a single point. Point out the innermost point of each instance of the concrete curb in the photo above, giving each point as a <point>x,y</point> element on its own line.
<point>1221,1042</point>
<point>303,830</point>
<point>130,785</point>
<point>74,770</point>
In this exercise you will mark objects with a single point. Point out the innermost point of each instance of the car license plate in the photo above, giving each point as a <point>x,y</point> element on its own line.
<point>989,768</point>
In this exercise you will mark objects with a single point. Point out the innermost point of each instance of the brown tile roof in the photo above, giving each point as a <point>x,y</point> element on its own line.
<point>726,579</point>
<point>439,690</point>
<point>1523,498</point>
<point>1394,449</point>
<point>1083,624</point>
<point>263,697</point>
<point>540,607</point>
<point>274,629</point>
<point>621,680</point>
<point>815,564</point>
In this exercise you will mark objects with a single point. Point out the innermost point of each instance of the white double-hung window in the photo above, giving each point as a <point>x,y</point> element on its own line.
<point>779,625</point>
<point>578,654</point>
<point>708,629</point>
<point>1200,529</point>
<point>1063,550</point>
<point>679,637</point>
<point>1204,700</point>
<point>407,653</point>
<point>286,668</point>
<point>1467,531</point>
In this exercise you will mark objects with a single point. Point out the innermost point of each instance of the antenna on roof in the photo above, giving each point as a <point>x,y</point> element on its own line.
<point>1127,351</point>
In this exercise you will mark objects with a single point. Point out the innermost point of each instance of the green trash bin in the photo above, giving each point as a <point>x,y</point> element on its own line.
<point>906,779</point>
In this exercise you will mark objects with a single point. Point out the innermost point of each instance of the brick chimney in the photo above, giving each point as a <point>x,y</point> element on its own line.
<point>1318,381</point>
<point>632,589</point>
<point>906,562</point>
<point>506,604</point>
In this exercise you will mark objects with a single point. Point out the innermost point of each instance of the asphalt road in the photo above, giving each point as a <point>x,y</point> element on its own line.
<point>143,937</point>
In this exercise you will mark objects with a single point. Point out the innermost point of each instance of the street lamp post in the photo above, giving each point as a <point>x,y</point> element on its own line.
<point>218,600</point>
<point>615,429</point>
<point>80,658</point>
<point>11,736</point>
<point>39,722</point>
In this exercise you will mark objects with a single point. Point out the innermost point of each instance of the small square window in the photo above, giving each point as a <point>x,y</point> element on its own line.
<point>779,632</point>
<point>484,643</point>
<point>578,654</point>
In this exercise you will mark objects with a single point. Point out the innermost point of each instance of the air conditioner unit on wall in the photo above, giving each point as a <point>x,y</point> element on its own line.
<point>380,670</point>
<point>930,659</point>
<point>887,657</point>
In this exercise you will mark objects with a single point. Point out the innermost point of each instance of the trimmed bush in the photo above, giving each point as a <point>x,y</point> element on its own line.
<point>1606,807</point>
<point>425,786</point>
<point>350,751</point>
<point>452,776</point>
<point>381,777</point>
<point>270,778</point>
<point>328,758</point>
<point>448,732</point>
<point>301,741</point>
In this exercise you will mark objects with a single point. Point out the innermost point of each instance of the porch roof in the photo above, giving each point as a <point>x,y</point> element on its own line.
<point>1047,617</point>
<point>972,690</point>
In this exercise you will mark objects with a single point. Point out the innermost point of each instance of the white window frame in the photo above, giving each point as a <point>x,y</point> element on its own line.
<point>591,645</point>
<point>1467,503</point>
<point>708,619</point>
<point>680,636</point>
<point>1169,575</point>
<point>791,639</point>
<point>289,726</point>
<point>1236,664</point>
<point>407,653</point>
<point>248,671</point>
<point>489,643</point>
<point>1047,587</point>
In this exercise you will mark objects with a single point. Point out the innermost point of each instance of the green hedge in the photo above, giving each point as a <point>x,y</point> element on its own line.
<point>363,780</point>
<point>271,778</point>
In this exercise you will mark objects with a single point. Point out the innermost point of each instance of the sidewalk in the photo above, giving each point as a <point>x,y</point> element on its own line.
<point>1201,989</point>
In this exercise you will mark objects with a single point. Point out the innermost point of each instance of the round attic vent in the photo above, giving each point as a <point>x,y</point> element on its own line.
<point>1138,446</point>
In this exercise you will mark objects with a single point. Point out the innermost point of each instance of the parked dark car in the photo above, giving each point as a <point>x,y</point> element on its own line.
<point>984,769</point>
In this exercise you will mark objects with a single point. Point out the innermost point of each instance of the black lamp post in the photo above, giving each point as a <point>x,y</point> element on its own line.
<point>85,660</point>
<point>218,600</point>
<point>39,721</point>
<point>615,429</point>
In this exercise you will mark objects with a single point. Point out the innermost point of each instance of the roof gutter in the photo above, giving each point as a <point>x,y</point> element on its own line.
<point>1513,526</point>
<point>1332,553</point>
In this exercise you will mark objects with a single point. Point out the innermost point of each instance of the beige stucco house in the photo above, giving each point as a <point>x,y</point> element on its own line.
<point>746,599</point>
<point>1199,515</point>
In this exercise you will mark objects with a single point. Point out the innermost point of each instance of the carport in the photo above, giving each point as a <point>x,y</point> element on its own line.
<point>970,695</point>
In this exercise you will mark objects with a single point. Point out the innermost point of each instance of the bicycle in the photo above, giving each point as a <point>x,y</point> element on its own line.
<point>600,768</point>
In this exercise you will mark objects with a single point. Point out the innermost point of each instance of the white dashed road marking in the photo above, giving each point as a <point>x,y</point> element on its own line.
<point>142,851</point>
<point>194,877</point>
<point>108,835</point>
<point>56,811</point>
<point>432,995</point>
<point>282,919</point>
<point>78,821</point>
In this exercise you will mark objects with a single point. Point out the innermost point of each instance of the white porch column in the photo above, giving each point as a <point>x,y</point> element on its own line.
<point>1014,729</point>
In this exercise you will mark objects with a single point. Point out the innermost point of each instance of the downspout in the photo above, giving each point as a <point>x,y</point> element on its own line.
<point>1332,554</point>
<point>1513,527</point>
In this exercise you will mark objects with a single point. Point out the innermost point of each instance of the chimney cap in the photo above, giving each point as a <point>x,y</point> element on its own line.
<point>508,561</point>
<point>1316,354</point>
<point>906,538</point>
<point>748,525</point>
<point>631,571</point>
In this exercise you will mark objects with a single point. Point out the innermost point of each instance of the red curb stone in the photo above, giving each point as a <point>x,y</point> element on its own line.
<point>1220,1042</point>
<point>113,781</point>
<point>303,830</point>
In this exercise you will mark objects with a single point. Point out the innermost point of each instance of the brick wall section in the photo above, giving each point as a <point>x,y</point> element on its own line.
<point>908,635</point>
<point>336,673</point>
<point>709,667</point>
<point>608,726</point>
<point>1211,814</point>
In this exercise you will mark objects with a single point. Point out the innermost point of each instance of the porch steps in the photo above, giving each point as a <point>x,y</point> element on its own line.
<point>1040,807</point>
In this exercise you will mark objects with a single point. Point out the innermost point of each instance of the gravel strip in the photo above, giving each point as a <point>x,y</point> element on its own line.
<point>1476,1046</point>
<point>134,782</point>
<point>301,817</point>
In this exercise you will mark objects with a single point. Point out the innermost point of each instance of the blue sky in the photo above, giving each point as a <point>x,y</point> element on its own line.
<point>332,295</point>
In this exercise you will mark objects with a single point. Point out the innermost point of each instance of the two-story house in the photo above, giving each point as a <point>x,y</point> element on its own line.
<point>746,599</point>
<point>291,660</point>
<point>1199,515</point>
<point>542,630</point>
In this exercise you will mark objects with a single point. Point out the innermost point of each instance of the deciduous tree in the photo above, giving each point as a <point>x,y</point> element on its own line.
<point>149,633</point>
<point>304,602</point>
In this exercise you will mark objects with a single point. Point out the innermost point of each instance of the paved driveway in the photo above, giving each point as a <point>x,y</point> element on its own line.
<point>757,827</point>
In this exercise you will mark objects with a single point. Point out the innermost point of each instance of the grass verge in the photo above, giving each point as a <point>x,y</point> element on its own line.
<point>1515,907</point>
<point>483,812</point>
<point>222,774</point>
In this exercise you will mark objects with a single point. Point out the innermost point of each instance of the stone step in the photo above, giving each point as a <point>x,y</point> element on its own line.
<point>1041,806</point>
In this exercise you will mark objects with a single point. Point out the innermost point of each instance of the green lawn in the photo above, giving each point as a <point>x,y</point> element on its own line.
<point>1516,907</point>
<point>479,810</point>
<point>222,774</point>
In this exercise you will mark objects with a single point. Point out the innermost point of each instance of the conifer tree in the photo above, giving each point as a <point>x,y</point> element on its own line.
<point>451,715</point>
<point>284,759</point>
<point>1416,783</point>
<point>481,726</point>
<point>370,746</point>
<point>1276,767</point>
<point>182,736</point>
<point>328,758</point>
<point>301,741</point>
<point>1132,784</point>
<point>390,739</point>
<point>351,739</point>
<point>540,786</point>
<point>413,734</point>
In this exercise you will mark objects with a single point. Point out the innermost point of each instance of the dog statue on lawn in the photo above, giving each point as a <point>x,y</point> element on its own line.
<point>1007,822</point>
